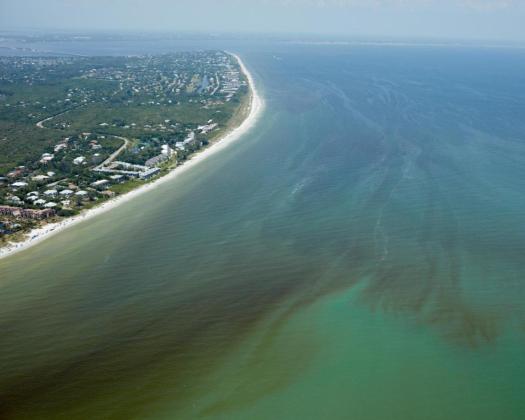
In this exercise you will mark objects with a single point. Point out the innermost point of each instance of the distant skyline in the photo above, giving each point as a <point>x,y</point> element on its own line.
<point>446,19</point>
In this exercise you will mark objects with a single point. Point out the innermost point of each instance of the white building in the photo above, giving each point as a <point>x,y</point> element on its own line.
<point>19,184</point>
<point>50,193</point>
<point>166,150</point>
<point>46,157</point>
<point>66,193</point>
<point>100,183</point>
<point>39,202</point>
<point>117,178</point>
<point>190,138</point>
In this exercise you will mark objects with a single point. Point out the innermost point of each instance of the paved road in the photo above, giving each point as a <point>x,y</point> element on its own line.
<point>115,154</point>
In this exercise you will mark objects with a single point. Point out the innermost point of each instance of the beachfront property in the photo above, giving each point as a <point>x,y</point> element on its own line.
<point>165,155</point>
<point>157,160</point>
<point>26,213</point>
<point>117,178</point>
<point>158,111</point>
<point>149,173</point>
<point>101,183</point>
<point>204,129</point>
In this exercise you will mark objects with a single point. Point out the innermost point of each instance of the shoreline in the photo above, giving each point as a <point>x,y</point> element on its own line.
<point>39,235</point>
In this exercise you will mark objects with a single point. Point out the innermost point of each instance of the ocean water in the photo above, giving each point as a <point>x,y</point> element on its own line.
<point>360,254</point>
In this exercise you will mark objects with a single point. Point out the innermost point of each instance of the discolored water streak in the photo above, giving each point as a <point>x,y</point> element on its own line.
<point>359,254</point>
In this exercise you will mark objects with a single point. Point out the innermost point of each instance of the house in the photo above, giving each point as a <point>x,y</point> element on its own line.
<point>47,157</point>
<point>40,202</point>
<point>79,160</point>
<point>50,193</point>
<point>100,183</point>
<point>94,145</point>
<point>19,184</point>
<point>14,199</point>
<point>17,172</point>
<point>66,193</point>
<point>59,147</point>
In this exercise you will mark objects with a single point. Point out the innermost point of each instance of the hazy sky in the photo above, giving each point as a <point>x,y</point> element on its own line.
<point>487,19</point>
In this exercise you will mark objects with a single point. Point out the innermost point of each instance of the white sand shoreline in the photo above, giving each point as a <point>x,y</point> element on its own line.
<point>40,234</point>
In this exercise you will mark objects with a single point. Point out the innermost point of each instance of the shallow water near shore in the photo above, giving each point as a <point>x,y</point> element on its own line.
<point>358,254</point>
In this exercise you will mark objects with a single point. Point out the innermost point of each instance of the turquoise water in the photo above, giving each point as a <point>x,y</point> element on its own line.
<point>358,255</point>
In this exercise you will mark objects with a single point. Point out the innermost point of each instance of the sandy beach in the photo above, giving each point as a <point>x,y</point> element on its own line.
<point>38,235</point>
